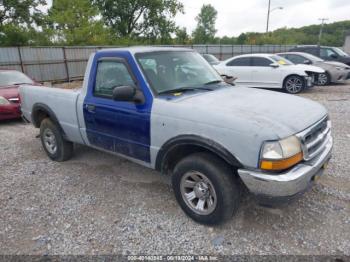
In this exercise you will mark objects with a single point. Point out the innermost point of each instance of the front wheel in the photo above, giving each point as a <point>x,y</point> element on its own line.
<point>294,84</point>
<point>206,188</point>
<point>323,79</point>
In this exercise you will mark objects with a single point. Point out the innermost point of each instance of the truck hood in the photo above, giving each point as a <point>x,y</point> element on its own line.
<point>273,112</point>
<point>9,92</point>
<point>310,68</point>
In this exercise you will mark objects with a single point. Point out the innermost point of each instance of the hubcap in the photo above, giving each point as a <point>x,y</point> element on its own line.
<point>294,85</point>
<point>322,79</point>
<point>198,193</point>
<point>50,141</point>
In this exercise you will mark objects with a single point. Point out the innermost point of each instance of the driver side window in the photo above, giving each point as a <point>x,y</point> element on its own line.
<point>327,52</point>
<point>111,74</point>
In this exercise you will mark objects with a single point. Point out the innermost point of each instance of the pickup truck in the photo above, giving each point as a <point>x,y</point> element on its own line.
<point>169,110</point>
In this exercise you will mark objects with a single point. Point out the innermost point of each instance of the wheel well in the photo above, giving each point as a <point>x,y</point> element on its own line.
<point>38,116</point>
<point>167,161</point>
<point>40,112</point>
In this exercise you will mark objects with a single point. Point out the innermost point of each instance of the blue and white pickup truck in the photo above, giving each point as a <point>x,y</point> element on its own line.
<point>169,110</point>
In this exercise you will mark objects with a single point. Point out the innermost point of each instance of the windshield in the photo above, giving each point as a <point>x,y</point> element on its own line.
<point>171,70</point>
<point>280,60</point>
<point>340,52</point>
<point>8,78</point>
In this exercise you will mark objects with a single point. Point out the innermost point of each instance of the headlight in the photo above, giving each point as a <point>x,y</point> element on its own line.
<point>340,68</point>
<point>282,154</point>
<point>3,101</point>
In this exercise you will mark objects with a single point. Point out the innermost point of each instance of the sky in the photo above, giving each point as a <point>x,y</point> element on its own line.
<point>238,16</point>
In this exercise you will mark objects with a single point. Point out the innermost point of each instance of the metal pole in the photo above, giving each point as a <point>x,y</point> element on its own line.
<point>321,30</point>
<point>66,63</point>
<point>20,58</point>
<point>268,17</point>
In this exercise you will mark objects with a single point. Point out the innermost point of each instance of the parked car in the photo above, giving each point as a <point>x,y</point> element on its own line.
<point>210,136</point>
<point>328,53</point>
<point>335,72</point>
<point>9,96</point>
<point>211,59</point>
<point>268,71</point>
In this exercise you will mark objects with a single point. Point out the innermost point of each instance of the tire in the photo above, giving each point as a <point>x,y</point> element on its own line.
<point>294,84</point>
<point>55,146</point>
<point>324,79</point>
<point>221,188</point>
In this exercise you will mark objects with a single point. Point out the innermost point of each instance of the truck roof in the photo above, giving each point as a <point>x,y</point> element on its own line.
<point>144,49</point>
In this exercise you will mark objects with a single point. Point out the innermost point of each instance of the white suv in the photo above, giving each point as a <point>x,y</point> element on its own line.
<point>268,71</point>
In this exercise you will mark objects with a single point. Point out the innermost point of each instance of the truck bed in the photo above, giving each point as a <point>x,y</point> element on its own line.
<point>63,102</point>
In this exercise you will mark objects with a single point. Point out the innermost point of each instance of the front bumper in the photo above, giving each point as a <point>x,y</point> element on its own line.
<point>11,111</point>
<point>340,76</point>
<point>288,184</point>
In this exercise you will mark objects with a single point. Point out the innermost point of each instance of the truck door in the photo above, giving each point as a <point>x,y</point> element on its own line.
<point>117,126</point>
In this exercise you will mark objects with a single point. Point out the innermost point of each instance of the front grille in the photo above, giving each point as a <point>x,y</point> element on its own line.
<point>315,138</point>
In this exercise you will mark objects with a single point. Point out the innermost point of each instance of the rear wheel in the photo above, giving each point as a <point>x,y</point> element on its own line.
<point>206,188</point>
<point>294,84</point>
<point>323,79</point>
<point>55,146</point>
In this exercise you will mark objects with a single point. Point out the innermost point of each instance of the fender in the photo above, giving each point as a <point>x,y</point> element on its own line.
<point>36,119</point>
<point>197,141</point>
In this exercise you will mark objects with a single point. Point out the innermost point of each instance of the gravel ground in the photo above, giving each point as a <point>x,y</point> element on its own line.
<point>101,204</point>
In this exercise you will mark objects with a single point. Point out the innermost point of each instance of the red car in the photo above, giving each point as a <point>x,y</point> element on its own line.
<point>9,96</point>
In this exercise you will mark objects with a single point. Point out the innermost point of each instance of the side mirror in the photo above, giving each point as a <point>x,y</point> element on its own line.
<point>228,79</point>
<point>128,94</point>
<point>334,56</point>
<point>307,62</point>
<point>274,65</point>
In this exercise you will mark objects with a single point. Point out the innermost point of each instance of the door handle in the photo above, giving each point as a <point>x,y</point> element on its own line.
<point>90,108</point>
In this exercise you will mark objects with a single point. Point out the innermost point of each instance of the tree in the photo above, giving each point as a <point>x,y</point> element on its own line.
<point>24,12</point>
<point>140,18</point>
<point>74,22</point>
<point>20,22</point>
<point>205,30</point>
<point>181,36</point>
<point>242,39</point>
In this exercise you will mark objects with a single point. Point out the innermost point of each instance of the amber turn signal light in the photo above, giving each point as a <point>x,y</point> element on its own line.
<point>276,165</point>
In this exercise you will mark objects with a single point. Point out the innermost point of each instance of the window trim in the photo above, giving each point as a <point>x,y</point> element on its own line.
<point>118,60</point>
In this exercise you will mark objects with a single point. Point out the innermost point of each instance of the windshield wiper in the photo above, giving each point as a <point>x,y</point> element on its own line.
<point>184,89</point>
<point>214,82</point>
<point>17,84</point>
